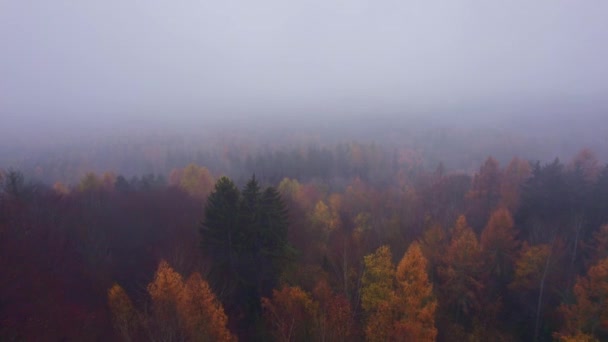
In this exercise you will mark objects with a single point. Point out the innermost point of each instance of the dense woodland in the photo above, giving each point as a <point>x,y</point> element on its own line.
<point>350,242</point>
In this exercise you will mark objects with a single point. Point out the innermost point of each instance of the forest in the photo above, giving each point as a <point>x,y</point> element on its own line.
<point>343,242</point>
<point>303,171</point>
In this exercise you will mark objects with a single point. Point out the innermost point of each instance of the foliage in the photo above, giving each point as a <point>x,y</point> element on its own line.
<point>460,284</point>
<point>335,321</point>
<point>400,303</point>
<point>484,195</point>
<point>197,181</point>
<point>499,246</point>
<point>530,266</point>
<point>290,313</point>
<point>201,314</point>
<point>415,302</point>
<point>180,310</point>
<point>378,278</point>
<point>123,313</point>
<point>589,314</point>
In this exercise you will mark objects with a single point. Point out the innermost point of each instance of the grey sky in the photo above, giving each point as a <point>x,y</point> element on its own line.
<point>135,58</point>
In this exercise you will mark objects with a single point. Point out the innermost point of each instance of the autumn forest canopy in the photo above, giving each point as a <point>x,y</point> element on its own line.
<point>332,242</point>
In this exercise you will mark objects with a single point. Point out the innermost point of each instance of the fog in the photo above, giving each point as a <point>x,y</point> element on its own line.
<point>75,69</point>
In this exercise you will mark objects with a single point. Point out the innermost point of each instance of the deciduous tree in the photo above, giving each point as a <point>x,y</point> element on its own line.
<point>378,278</point>
<point>335,321</point>
<point>484,195</point>
<point>514,176</point>
<point>202,315</point>
<point>499,247</point>
<point>290,313</point>
<point>414,300</point>
<point>460,284</point>
<point>165,291</point>
<point>535,282</point>
<point>179,311</point>
<point>196,180</point>
<point>124,315</point>
<point>589,314</point>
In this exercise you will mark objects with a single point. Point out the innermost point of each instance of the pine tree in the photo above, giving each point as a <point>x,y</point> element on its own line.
<point>274,252</point>
<point>249,263</point>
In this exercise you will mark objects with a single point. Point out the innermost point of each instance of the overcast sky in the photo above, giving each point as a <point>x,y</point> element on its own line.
<point>96,60</point>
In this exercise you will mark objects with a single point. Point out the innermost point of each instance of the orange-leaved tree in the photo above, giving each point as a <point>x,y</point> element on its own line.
<point>290,314</point>
<point>165,291</point>
<point>536,281</point>
<point>202,315</point>
<point>124,316</point>
<point>597,249</point>
<point>180,311</point>
<point>335,321</point>
<point>589,314</point>
<point>499,248</point>
<point>414,302</point>
<point>484,195</point>
<point>433,245</point>
<point>514,176</point>
<point>459,275</point>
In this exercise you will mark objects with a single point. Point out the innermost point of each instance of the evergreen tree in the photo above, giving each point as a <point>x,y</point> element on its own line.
<point>249,261</point>
<point>220,236</point>
<point>273,230</point>
<point>245,235</point>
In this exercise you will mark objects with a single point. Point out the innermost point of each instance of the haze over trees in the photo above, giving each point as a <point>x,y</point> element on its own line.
<point>303,170</point>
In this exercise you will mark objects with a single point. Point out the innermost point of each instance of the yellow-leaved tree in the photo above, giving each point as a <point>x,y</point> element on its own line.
<point>377,280</point>
<point>196,180</point>
<point>400,304</point>
<point>377,292</point>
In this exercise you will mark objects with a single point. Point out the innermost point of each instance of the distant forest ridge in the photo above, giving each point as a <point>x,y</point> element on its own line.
<point>289,149</point>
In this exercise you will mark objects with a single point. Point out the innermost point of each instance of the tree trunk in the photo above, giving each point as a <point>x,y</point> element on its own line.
<point>540,295</point>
